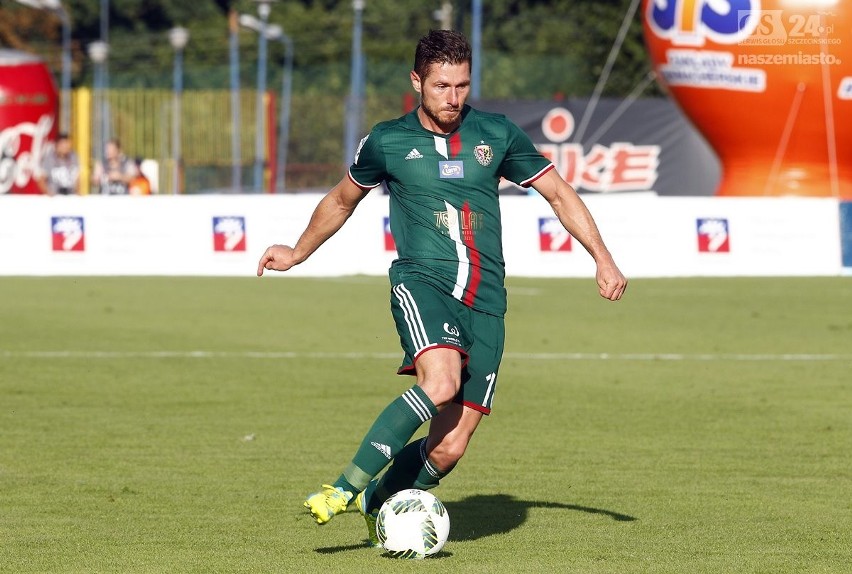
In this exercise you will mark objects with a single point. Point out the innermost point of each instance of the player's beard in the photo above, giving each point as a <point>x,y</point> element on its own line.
<point>444,118</point>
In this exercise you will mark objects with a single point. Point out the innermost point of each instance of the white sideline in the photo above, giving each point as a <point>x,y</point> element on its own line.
<point>69,354</point>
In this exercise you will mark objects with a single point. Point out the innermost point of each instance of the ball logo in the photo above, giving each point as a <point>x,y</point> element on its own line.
<point>713,235</point>
<point>68,233</point>
<point>552,236</point>
<point>692,22</point>
<point>390,244</point>
<point>229,234</point>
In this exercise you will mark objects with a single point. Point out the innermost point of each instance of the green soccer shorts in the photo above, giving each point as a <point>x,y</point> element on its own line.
<point>428,319</point>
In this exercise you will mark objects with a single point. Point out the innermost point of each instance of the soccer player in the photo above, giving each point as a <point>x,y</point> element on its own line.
<point>442,163</point>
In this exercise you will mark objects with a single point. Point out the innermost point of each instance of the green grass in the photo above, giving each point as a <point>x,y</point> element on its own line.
<point>174,425</point>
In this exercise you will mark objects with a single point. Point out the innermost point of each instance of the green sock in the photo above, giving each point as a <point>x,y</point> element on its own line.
<point>411,469</point>
<point>386,438</point>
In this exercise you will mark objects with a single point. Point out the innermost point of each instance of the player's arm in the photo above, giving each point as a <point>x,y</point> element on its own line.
<point>328,217</point>
<point>576,218</point>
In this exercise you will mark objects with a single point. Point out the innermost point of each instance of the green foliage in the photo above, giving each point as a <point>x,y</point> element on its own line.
<point>175,425</point>
<point>531,48</point>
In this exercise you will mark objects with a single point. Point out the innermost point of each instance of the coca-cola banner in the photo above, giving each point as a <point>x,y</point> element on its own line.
<point>28,106</point>
<point>646,145</point>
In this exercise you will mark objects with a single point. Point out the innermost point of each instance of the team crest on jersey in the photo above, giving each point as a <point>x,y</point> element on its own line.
<point>483,154</point>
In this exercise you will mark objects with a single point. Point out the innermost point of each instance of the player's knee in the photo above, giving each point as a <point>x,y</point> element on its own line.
<point>441,389</point>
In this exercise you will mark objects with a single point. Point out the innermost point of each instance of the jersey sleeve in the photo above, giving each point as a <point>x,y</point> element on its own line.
<point>368,168</point>
<point>523,163</point>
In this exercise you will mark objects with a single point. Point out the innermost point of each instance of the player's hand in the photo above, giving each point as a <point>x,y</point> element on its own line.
<point>276,258</point>
<point>611,282</point>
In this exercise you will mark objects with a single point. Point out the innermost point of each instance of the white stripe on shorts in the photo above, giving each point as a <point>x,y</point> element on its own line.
<point>412,317</point>
<point>417,405</point>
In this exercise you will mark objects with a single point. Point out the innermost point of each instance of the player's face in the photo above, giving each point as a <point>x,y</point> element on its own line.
<point>442,95</point>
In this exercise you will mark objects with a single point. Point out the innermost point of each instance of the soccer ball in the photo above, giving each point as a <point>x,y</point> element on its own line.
<point>412,524</point>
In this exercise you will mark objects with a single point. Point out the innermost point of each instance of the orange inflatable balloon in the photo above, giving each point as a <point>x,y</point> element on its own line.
<point>769,85</point>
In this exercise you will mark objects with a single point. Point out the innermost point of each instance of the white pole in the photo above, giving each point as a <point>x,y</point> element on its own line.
<point>613,53</point>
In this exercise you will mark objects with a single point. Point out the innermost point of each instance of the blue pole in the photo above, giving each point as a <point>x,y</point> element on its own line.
<point>286,91</point>
<point>476,50</point>
<point>353,113</point>
<point>105,131</point>
<point>263,10</point>
<point>236,152</point>
<point>65,124</point>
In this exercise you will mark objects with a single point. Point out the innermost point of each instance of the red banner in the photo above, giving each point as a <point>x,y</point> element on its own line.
<point>28,110</point>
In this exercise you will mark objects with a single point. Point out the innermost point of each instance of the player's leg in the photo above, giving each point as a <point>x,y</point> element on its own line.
<point>423,463</point>
<point>438,381</point>
<point>421,315</point>
<point>391,430</point>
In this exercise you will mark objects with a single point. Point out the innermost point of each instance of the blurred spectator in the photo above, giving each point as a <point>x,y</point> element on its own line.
<point>60,171</point>
<point>112,175</point>
<point>139,185</point>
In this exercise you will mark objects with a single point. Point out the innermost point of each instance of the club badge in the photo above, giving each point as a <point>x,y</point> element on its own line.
<point>483,154</point>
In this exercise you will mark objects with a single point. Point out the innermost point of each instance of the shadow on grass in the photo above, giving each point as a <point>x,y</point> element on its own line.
<point>484,515</point>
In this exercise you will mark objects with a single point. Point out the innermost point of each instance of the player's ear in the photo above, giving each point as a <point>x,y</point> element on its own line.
<point>415,82</point>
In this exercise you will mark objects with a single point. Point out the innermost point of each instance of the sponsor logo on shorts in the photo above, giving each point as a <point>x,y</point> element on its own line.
<point>452,337</point>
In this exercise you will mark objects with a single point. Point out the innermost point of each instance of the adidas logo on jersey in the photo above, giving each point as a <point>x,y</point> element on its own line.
<point>414,154</point>
<point>383,448</point>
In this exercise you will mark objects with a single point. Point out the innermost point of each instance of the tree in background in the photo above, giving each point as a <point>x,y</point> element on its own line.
<point>531,48</point>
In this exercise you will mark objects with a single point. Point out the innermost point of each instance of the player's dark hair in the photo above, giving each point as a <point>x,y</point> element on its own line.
<point>440,47</point>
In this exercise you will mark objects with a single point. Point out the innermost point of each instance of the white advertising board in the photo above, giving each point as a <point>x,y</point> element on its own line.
<point>224,235</point>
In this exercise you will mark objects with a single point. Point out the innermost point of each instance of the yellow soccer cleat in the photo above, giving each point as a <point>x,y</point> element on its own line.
<point>329,501</point>
<point>369,518</point>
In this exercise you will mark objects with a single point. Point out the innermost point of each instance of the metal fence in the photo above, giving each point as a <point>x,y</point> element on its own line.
<point>142,120</point>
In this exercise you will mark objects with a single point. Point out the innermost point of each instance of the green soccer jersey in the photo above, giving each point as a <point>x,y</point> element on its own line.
<point>444,208</point>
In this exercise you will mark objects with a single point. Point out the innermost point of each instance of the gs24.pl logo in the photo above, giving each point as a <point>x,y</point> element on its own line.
<point>691,22</point>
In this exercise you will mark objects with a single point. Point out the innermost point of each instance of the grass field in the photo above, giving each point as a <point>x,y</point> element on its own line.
<point>174,425</point>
